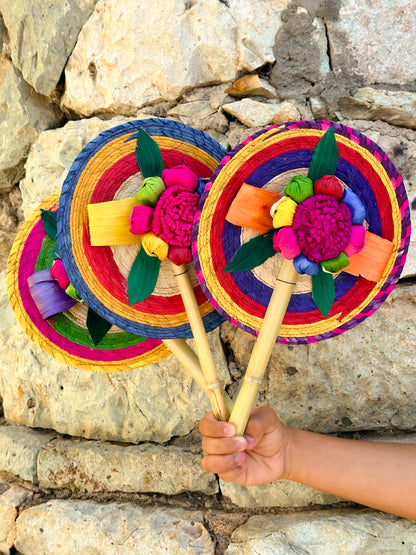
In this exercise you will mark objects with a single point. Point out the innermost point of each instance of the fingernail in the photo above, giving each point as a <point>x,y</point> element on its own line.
<point>239,458</point>
<point>250,441</point>
<point>240,443</point>
<point>228,429</point>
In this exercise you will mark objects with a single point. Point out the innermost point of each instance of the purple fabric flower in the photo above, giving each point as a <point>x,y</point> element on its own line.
<point>174,214</point>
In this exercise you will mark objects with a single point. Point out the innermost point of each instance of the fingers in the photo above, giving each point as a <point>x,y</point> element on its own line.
<point>224,445</point>
<point>226,466</point>
<point>262,421</point>
<point>211,427</point>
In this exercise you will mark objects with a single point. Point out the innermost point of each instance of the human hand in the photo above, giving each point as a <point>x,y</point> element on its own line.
<point>258,457</point>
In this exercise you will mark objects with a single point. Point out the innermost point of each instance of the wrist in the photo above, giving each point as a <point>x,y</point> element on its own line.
<point>288,443</point>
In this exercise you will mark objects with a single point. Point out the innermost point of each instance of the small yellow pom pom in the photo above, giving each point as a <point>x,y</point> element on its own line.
<point>154,245</point>
<point>283,212</point>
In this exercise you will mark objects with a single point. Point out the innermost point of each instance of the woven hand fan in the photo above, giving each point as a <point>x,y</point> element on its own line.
<point>55,321</point>
<point>125,220</point>
<point>314,208</point>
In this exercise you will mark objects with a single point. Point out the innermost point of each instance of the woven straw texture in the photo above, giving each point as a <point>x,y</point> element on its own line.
<point>268,159</point>
<point>100,174</point>
<point>65,336</point>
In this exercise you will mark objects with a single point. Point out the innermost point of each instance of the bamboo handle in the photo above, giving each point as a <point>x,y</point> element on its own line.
<point>263,347</point>
<point>186,356</point>
<point>201,342</point>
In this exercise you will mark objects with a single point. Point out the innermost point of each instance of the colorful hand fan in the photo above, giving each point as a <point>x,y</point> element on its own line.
<point>130,194</point>
<point>313,198</point>
<point>55,321</point>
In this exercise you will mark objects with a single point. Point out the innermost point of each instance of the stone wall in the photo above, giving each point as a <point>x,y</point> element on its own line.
<point>110,463</point>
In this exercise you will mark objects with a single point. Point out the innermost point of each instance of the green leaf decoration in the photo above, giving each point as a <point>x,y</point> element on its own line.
<point>97,326</point>
<point>323,291</point>
<point>325,156</point>
<point>49,222</point>
<point>142,277</point>
<point>148,155</point>
<point>252,254</point>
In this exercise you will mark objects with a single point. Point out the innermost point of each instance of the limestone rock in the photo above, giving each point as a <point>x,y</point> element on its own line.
<point>90,466</point>
<point>301,52</point>
<point>200,115</point>
<point>360,380</point>
<point>324,533</point>
<point>11,216</point>
<point>360,39</point>
<point>238,132</point>
<point>39,391</point>
<point>42,36</point>
<point>19,450</point>
<point>259,114</point>
<point>395,107</point>
<point>23,115</point>
<point>52,155</point>
<point>11,498</point>
<point>130,55</point>
<point>68,527</point>
<point>281,493</point>
<point>251,85</point>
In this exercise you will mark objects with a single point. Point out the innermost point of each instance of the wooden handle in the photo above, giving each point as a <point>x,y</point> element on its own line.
<point>186,356</point>
<point>201,342</point>
<point>263,347</point>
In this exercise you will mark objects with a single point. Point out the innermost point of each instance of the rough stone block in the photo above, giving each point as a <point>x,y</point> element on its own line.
<point>324,533</point>
<point>90,466</point>
<point>360,39</point>
<point>23,115</point>
<point>259,114</point>
<point>42,36</point>
<point>11,497</point>
<point>394,107</point>
<point>19,449</point>
<point>68,527</point>
<point>155,52</point>
<point>281,493</point>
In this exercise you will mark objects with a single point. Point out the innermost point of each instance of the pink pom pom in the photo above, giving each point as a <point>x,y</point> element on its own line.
<point>329,185</point>
<point>59,274</point>
<point>357,240</point>
<point>284,241</point>
<point>140,219</point>
<point>180,175</point>
<point>179,255</point>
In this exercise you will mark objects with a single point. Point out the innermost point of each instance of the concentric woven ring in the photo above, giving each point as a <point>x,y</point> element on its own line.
<point>97,175</point>
<point>65,335</point>
<point>271,157</point>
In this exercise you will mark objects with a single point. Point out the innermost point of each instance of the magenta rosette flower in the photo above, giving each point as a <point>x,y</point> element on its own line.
<point>172,217</point>
<point>318,224</point>
<point>174,214</point>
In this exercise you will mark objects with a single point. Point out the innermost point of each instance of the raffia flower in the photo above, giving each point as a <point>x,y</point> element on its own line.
<point>170,220</point>
<point>174,214</point>
<point>318,225</point>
